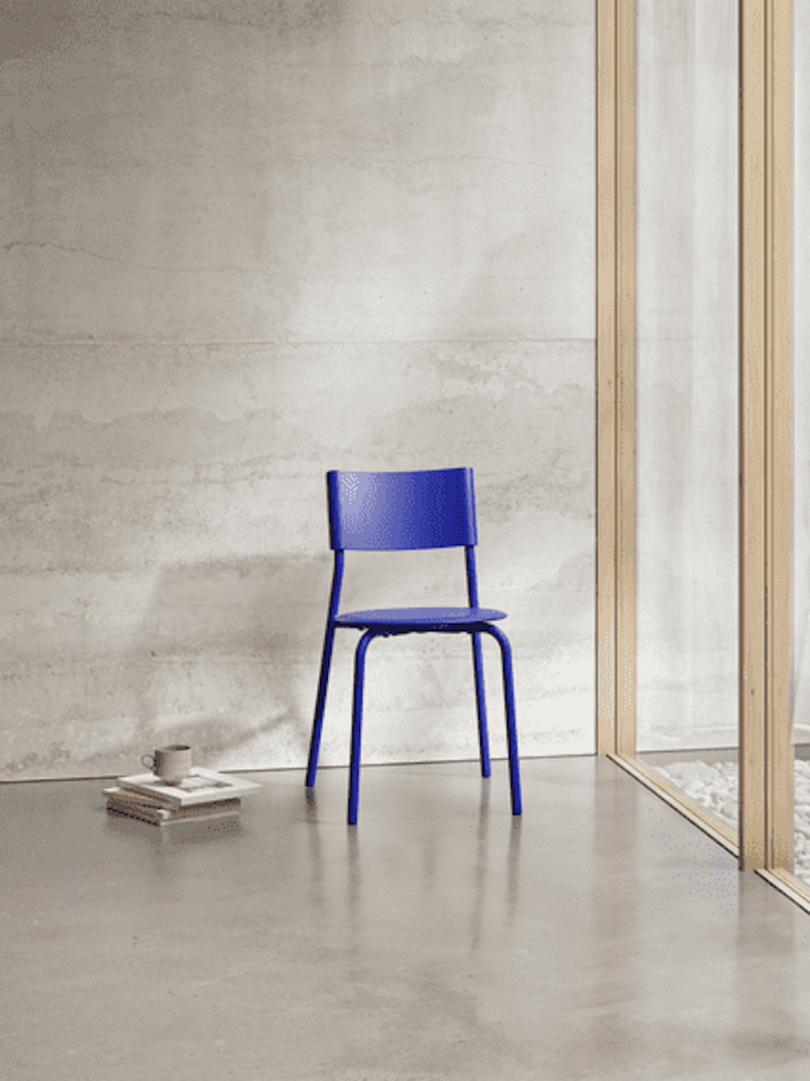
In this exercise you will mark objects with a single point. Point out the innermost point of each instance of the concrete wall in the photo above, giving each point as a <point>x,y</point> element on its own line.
<point>687,385</point>
<point>243,243</point>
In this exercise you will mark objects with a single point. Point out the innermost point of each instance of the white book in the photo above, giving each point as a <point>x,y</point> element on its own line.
<point>163,817</point>
<point>201,786</point>
<point>140,800</point>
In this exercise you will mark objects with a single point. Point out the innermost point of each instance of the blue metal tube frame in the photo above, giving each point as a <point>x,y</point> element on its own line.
<point>326,661</point>
<point>357,724</point>
<point>478,664</point>
<point>509,702</point>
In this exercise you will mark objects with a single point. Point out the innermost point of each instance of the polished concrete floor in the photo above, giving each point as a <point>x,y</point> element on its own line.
<point>599,936</point>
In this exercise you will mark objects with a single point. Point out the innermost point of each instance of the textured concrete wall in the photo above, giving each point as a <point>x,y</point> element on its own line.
<point>687,474</point>
<point>247,242</point>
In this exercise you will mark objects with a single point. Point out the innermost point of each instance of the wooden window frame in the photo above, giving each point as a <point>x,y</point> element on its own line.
<point>764,842</point>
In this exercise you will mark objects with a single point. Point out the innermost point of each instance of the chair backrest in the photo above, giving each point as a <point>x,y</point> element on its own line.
<point>427,508</point>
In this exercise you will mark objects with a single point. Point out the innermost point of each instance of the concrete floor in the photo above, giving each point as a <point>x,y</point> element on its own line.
<point>600,936</point>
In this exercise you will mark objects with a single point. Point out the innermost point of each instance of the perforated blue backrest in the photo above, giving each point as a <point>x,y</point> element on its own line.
<point>428,508</point>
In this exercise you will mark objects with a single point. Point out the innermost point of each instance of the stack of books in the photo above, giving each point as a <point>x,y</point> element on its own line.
<point>203,796</point>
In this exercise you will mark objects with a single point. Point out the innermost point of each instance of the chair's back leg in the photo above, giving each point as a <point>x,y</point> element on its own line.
<point>481,703</point>
<point>320,705</point>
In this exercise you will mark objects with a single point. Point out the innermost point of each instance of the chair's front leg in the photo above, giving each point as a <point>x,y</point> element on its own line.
<point>511,724</point>
<point>357,724</point>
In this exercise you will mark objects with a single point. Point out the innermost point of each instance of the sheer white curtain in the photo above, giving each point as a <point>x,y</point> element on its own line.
<point>686,372</point>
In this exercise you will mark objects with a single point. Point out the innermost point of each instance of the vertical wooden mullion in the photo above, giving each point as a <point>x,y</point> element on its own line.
<point>626,379</point>
<point>752,391</point>
<point>616,602</point>
<point>606,376</point>
<point>779,420</point>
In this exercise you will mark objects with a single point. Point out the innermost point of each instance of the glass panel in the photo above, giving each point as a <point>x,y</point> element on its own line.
<point>687,382</point>
<point>800,676</point>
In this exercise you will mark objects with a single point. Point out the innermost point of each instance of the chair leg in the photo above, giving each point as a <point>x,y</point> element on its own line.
<point>320,704</point>
<point>481,703</point>
<point>357,725</point>
<point>511,725</point>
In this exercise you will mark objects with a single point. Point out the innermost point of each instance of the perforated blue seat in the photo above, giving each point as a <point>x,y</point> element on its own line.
<point>432,508</point>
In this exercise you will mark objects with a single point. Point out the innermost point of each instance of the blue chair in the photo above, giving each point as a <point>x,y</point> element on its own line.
<point>432,508</point>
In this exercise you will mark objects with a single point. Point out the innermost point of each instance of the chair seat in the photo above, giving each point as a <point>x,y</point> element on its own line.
<point>419,618</point>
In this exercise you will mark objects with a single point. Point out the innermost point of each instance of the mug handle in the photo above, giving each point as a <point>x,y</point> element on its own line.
<point>149,761</point>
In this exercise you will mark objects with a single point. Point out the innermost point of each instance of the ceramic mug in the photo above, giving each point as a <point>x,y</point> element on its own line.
<point>171,763</point>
